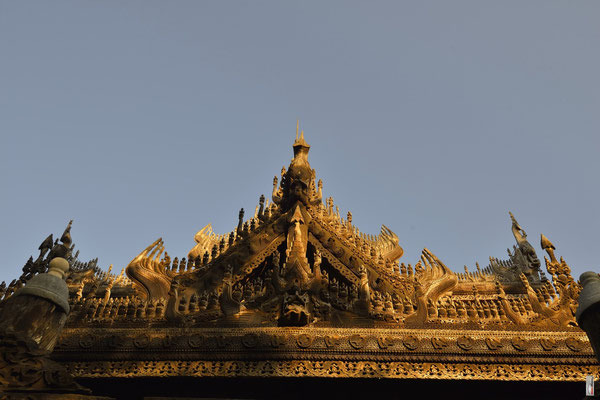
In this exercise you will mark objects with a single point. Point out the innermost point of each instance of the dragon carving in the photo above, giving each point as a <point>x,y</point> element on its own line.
<point>561,310</point>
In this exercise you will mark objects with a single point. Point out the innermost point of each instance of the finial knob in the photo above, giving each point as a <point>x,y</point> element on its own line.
<point>58,267</point>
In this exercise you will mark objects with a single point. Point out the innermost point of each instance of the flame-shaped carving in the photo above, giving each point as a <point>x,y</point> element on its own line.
<point>149,274</point>
<point>388,244</point>
<point>205,240</point>
<point>433,279</point>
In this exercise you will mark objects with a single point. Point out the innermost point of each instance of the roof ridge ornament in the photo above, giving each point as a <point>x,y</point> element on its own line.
<point>300,142</point>
<point>298,182</point>
<point>524,255</point>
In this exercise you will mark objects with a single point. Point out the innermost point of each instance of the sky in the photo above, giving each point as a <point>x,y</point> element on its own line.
<point>148,119</point>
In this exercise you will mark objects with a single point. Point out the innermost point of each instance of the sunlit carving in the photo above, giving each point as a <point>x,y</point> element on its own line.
<point>299,261</point>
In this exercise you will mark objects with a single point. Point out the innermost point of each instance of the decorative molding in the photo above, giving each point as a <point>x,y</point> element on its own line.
<point>328,352</point>
<point>332,369</point>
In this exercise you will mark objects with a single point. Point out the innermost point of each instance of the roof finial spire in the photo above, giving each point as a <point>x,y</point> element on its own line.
<point>300,142</point>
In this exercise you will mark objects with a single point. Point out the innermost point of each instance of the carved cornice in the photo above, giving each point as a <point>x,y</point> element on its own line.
<point>388,352</point>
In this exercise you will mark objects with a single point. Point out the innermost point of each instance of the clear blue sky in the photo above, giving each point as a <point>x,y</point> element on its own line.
<point>147,119</point>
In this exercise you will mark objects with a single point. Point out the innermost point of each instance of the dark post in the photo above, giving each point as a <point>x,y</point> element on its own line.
<point>588,310</point>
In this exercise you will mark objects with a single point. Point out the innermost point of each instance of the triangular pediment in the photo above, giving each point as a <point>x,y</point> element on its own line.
<point>300,250</point>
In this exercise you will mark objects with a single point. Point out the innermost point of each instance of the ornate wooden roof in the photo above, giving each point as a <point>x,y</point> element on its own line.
<point>298,290</point>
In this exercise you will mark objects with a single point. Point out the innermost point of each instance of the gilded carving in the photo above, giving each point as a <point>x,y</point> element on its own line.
<point>332,340</point>
<point>290,368</point>
<point>223,341</point>
<point>250,340</point>
<point>385,342</point>
<point>410,342</point>
<point>304,341</point>
<point>465,342</point>
<point>115,341</point>
<point>439,343</point>
<point>493,343</point>
<point>168,341</point>
<point>548,344</point>
<point>87,341</point>
<point>301,280</point>
<point>149,272</point>
<point>357,341</point>
<point>574,344</point>
<point>277,340</point>
<point>195,341</point>
<point>520,344</point>
<point>141,341</point>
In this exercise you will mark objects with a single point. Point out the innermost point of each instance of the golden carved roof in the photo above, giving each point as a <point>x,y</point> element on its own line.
<point>298,290</point>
